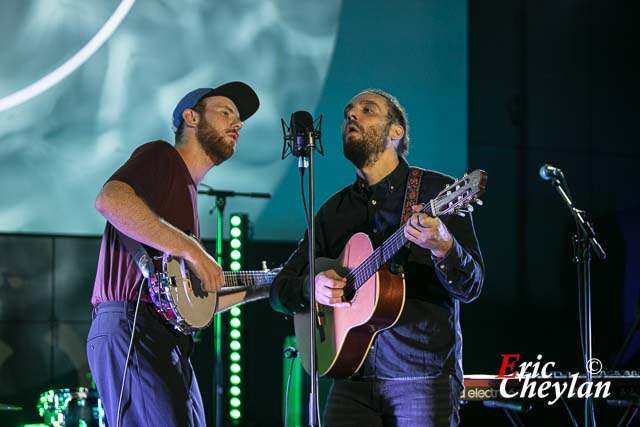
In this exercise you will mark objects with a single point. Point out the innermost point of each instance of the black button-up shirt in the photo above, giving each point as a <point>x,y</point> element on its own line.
<point>427,340</point>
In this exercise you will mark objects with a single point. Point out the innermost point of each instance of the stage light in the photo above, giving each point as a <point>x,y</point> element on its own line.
<point>235,220</point>
<point>235,414</point>
<point>238,232</point>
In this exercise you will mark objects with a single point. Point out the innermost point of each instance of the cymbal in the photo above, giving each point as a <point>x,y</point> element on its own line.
<point>7,407</point>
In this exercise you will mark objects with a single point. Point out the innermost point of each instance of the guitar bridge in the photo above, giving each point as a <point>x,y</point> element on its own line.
<point>320,319</point>
<point>320,323</point>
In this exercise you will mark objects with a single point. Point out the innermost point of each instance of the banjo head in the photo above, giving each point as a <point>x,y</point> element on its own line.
<point>193,306</point>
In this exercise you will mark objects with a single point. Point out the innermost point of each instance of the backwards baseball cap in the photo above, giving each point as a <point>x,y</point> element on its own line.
<point>240,93</point>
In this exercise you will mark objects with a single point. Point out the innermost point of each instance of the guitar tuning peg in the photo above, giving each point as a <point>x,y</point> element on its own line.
<point>479,202</point>
<point>461,214</point>
<point>264,266</point>
<point>469,208</point>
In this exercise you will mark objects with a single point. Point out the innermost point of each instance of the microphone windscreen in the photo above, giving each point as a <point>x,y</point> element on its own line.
<point>301,122</point>
<point>544,172</point>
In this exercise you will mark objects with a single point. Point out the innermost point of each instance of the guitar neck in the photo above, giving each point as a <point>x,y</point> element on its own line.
<point>234,279</point>
<point>379,257</point>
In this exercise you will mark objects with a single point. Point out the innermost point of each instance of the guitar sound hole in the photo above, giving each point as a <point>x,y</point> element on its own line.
<point>350,291</point>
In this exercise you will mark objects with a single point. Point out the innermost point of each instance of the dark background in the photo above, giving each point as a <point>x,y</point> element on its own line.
<point>549,82</point>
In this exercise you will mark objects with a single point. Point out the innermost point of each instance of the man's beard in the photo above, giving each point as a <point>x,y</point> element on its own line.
<point>368,149</point>
<point>213,143</point>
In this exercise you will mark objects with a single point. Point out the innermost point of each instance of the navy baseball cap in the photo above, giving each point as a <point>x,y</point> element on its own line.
<point>240,93</point>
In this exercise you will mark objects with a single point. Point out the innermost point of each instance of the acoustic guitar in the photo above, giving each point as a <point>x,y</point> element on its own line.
<point>344,335</point>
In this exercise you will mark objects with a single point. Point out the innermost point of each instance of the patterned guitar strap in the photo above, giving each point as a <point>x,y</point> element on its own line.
<point>411,194</point>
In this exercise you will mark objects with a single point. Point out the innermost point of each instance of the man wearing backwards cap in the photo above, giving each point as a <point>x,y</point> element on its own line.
<point>152,199</point>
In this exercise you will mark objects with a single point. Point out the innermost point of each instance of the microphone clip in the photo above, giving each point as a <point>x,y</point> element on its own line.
<point>301,135</point>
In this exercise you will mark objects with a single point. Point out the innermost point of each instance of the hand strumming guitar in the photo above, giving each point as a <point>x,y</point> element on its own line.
<point>205,267</point>
<point>330,289</point>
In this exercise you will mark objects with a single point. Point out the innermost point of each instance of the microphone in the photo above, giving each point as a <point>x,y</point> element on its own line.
<point>301,136</point>
<point>548,172</point>
<point>301,126</point>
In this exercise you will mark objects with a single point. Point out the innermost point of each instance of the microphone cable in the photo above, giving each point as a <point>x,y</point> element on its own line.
<point>288,353</point>
<point>126,363</point>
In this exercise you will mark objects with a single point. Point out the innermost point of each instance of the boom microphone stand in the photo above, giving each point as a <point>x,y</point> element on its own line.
<point>584,242</point>
<point>220,203</point>
<point>299,140</point>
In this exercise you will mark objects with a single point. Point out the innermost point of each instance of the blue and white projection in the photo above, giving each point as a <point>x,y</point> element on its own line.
<point>58,147</point>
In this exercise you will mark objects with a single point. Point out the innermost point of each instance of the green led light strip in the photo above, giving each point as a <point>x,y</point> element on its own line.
<point>238,236</point>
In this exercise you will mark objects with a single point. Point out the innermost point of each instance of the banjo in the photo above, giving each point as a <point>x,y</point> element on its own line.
<point>177,293</point>
<point>179,298</point>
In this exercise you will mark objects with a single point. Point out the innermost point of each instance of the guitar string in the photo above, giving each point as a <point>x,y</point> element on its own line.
<point>359,275</point>
<point>380,256</point>
<point>356,277</point>
<point>387,250</point>
<point>249,278</point>
<point>363,272</point>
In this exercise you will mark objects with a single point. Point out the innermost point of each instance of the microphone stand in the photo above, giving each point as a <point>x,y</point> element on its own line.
<point>220,204</point>
<point>584,242</point>
<point>294,147</point>
<point>313,306</point>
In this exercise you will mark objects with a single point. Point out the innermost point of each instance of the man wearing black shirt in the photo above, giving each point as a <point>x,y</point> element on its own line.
<point>412,374</point>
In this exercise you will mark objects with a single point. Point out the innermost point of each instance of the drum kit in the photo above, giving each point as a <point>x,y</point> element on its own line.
<point>68,407</point>
<point>71,407</point>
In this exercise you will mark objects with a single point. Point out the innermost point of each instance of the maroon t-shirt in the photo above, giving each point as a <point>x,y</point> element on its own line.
<point>160,177</point>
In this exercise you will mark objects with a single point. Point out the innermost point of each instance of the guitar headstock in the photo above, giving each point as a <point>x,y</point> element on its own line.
<point>458,198</point>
